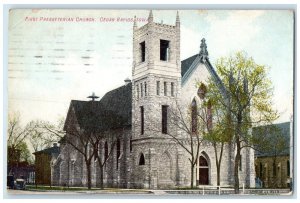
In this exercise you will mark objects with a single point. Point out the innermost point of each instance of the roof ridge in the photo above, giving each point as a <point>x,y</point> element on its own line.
<point>113,90</point>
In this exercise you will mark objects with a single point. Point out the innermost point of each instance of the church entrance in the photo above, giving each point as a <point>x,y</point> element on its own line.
<point>203,171</point>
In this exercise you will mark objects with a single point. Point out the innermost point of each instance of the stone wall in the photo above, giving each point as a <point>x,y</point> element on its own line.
<point>273,178</point>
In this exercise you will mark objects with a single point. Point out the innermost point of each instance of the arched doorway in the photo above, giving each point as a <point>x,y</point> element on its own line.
<point>203,171</point>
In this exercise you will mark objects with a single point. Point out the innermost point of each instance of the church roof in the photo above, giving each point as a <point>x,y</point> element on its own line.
<point>119,102</point>
<point>186,64</point>
<point>283,129</point>
<point>112,111</point>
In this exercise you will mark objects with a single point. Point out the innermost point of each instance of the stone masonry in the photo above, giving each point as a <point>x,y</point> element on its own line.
<point>149,157</point>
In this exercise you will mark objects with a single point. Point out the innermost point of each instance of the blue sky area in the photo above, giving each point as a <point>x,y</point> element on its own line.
<point>52,62</point>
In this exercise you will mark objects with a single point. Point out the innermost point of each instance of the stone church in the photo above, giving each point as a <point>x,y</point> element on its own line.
<point>144,154</point>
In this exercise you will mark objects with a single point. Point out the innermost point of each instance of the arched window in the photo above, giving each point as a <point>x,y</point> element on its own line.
<point>118,151</point>
<point>157,87</point>
<point>118,148</point>
<point>209,115</point>
<point>142,159</point>
<point>105,151</point>
<point>172,89</point>
<point>143,51</point>
<point>141,89</point>
<point>142,119</point>
<point>164,119</point>
<point>202,90</point>
<point>194,116</point>
<point>137,91</point>
<point>130,144</point>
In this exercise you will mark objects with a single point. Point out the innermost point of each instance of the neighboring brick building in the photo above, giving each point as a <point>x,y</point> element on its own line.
<point>43,164</point>
<point>143,158</point>
<point>273,166</point>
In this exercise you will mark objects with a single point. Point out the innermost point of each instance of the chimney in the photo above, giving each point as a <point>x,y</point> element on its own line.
<point>127,81</point>
<point>54,144</point>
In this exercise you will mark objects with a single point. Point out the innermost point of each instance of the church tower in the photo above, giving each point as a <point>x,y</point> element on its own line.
<point>156,83</point>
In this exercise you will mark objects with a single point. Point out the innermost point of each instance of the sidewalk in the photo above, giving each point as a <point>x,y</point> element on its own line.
<point>117,191</point>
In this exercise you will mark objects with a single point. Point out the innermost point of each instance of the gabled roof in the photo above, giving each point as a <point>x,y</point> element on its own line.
<point>186,64</point>
<point>112,111</point>
<point>50,151</point>
<point>283,129</point>
<point>119,102</point>
<point>190,64</point>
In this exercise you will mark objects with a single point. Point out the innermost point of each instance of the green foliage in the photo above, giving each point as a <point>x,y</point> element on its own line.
<point>25,153</point>
<point>20,153</point>
<point>247,100</point>
<point>244,97</point>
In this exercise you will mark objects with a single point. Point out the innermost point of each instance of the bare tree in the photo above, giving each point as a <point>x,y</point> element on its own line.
<point>39,137</point>
<point>103,151</point>
<point>87,139</point>
<point>185,130</point>
<point>103,136</point>
<point>16,137</point>
<point>78,139</point>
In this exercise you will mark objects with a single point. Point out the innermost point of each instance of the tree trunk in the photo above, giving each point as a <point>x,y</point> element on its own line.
<point>218,175</point>
<point>238,154</point>
<point>192,175</point>
<point>236,167</point>
<point>218,161</point>
<point>101,176</point>
<point>89,177</point>
<point>217,164</point>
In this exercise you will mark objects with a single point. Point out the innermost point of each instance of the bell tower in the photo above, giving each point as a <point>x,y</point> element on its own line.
<point>156,74</point>
<point>156,86</point>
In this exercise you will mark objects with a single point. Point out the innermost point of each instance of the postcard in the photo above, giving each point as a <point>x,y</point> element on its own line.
<point>151,102</point>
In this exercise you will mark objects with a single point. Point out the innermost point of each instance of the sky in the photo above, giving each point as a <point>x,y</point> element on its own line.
<point>51,62</point>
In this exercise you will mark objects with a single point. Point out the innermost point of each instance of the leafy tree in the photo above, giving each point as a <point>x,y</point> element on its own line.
<point>246,96</point>
<point>213,117</point>
<point>25,155</point>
